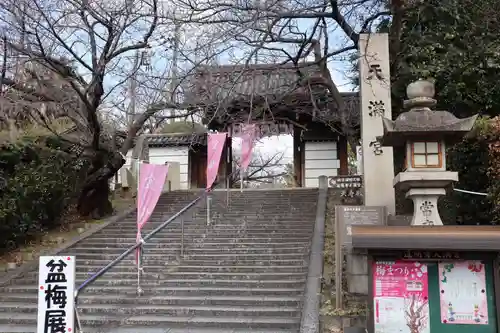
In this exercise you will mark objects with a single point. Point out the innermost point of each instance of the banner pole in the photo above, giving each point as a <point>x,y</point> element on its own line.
<point>230,165</point>
<point>139,253</point>
<point>182,236</point>
<point>139,267</point>
<point>227,192</point>
<point>77,319</point>
<point>208,209</point>
<point>242,176</point>
<point>139,249</point>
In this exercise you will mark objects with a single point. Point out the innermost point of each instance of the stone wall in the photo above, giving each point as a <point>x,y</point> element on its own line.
<point>357,273</point>
<point>354,312</point>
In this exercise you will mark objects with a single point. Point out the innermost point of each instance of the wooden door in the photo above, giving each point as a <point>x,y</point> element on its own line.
<point>201,169</point>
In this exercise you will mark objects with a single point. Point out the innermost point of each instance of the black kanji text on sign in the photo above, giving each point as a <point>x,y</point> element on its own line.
<point>55,321</point>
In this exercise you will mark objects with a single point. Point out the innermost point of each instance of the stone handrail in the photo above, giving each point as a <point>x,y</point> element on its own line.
<point>312,297</point>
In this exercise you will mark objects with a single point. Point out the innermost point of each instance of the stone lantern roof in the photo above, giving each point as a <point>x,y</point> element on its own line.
<point>420,122</point>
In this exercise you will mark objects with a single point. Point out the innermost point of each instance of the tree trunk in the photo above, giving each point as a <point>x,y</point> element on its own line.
<point>95,203</point>
<point>94,198</point>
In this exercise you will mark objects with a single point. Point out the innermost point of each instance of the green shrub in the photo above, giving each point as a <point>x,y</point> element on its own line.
<point>494,167</point>
<point>39,181</point>
<point>471,159</point>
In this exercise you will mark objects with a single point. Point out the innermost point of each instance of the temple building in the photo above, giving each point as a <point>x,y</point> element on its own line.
<point>296,100</point>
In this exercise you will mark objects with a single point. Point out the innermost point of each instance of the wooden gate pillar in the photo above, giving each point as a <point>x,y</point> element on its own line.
<point>298,153</point>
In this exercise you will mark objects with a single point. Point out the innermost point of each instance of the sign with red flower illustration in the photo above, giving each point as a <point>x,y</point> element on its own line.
<point>401,297</point>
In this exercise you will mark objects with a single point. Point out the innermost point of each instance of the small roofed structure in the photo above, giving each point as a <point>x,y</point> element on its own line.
<point>425,134</point>
<point>421,122</point>
<point>177,139</point>
<point>296,99</point>
<point>188,150</point>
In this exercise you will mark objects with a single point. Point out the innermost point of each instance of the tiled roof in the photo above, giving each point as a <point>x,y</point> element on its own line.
<point>177,139</point>
<point>214,84</point>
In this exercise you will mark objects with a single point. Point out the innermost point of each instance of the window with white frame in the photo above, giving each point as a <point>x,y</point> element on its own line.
<point>426,155</point>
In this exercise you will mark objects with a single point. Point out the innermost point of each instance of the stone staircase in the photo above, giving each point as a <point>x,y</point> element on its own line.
<point>246,272</point>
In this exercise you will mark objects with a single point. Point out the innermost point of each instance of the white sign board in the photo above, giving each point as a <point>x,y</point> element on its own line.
<point>56,289</point>
<point>375,88</point>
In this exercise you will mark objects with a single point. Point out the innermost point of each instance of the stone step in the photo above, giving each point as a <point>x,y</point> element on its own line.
<point>275,210</point>
<point>214,227</point>
<point>164,321</point>
<point>196,228</point>
<point>166,269</point>
<point>223,300</point>
<point>33,276</point>
<point>156,256</point>
<point>248,256</point>
<point>164,310</point>
<point>249,244</point>
<point>174,234</point>
<point>286,211</point>
<point>212,239</point>
<point>210,230</point>
<point>138,329</point>
<point>260,215</point>
<point>205,244</point>
<point>241,268</point>
<point>179,291</point>
<point>242,261</point>
<point>265,224</point>
<point>130,266</point>
<point>265,219</point>
<point>163,261</point>
<point>168,282</point>
<point>191,251</point>
<point>259,222</point>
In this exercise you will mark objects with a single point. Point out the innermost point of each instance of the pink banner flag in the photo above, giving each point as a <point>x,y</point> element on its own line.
<point>216,142</point>
<point>248,137</point>
<point>151,181</point>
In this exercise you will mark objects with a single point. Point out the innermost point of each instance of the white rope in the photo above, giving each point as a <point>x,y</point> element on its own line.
<point>470,192</point>
<point>139,160</point>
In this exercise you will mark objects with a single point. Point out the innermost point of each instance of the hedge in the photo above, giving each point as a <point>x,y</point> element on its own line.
<point>37,183</point>
<point>477,167</point>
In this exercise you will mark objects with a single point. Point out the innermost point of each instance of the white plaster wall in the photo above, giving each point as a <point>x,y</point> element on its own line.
<point>321,159</point>
<point>127,165</point>
<point>160,155</point>
<point>172,154</point>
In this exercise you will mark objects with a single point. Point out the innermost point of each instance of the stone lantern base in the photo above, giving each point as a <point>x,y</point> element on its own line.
<point>425,188</point>
<point>425,205</point>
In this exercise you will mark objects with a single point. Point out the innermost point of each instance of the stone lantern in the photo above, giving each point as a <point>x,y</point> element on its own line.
<point>424,134</point>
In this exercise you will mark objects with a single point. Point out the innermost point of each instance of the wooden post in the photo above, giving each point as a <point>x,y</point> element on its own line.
<point>297,157</point>
<point>342,149</point>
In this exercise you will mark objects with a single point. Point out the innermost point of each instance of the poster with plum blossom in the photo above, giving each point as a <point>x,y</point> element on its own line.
<point>463,298</point>
<point>400,291</point>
